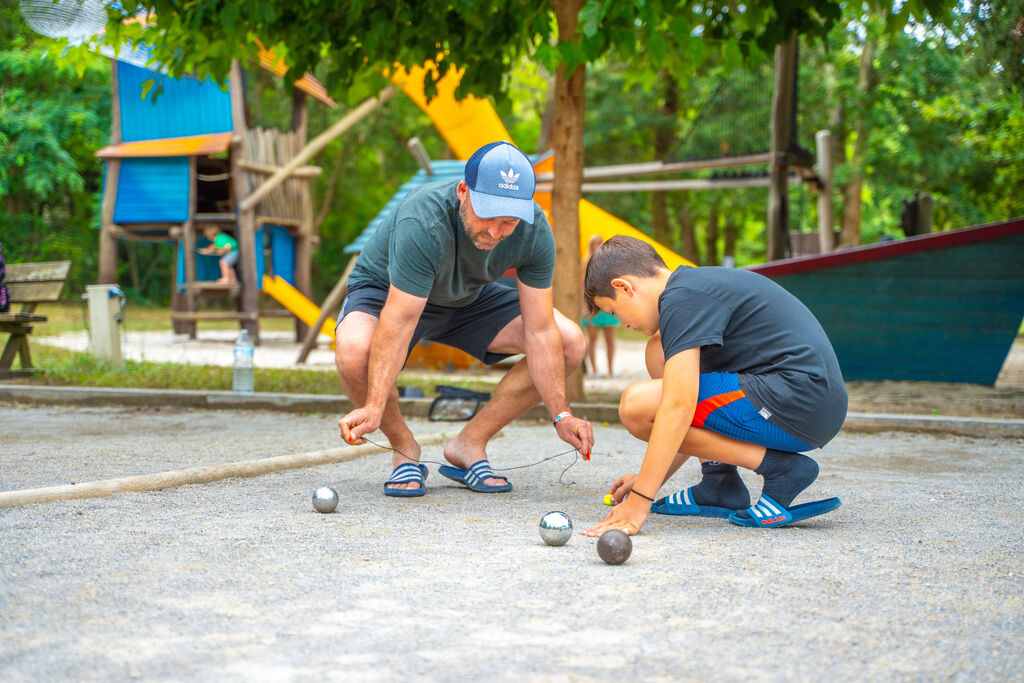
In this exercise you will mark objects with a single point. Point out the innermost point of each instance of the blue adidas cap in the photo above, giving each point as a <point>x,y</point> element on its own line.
<point>501,182</point>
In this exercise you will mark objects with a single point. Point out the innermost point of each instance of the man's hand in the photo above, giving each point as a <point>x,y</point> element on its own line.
<point>360,421</point>
<point>622,486</point>
<point>628,516</point>
<point>576,432</point>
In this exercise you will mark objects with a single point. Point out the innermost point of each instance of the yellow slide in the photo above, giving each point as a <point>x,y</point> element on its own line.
<point>469,124</point>
<point>297,304</point>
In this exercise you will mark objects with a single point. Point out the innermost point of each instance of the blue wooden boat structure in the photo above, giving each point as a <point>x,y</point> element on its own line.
<point>943,307</point>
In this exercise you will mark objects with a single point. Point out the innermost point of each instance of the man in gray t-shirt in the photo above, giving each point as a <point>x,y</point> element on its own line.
<point>430,272</point>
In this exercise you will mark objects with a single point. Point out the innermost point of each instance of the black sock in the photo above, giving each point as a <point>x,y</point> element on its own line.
<point>721,486</point>
<point>786,474</point>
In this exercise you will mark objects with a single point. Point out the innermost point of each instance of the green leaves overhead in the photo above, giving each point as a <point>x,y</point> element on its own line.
<point>351,44</point>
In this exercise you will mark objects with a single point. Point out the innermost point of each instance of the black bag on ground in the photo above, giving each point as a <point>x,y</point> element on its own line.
<point>453,403</point>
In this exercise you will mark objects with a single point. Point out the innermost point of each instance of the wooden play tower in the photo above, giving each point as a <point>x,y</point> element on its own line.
<point>189,158</point>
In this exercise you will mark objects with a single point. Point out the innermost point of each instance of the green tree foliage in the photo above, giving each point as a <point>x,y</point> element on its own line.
<point>945,118</point>
<point>942,118</point>
<point>52,121</point>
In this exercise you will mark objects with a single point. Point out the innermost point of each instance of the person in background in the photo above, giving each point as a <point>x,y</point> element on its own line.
<point>225,246</point>
<point>606,323</point>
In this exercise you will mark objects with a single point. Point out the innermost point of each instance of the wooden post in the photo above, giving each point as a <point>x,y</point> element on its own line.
<point>304,238</point>
<point>108,241</point>
<point>782,136</point>
<point>188,245</point>
<point>245,230</point>
<point>330,304</point>
<point>826,231</point>
<point>419,153</point>
<point>924,213</point>
<point>567,142</point>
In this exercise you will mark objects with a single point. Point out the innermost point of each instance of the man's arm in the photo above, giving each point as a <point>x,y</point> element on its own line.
<point>388,350</point>
<point>545,359</point>
<point>542,344</point>
<point>672,420</point>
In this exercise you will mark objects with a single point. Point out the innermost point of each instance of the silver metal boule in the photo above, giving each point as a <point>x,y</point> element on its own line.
<point>556,528</point>
<point>325,499</point>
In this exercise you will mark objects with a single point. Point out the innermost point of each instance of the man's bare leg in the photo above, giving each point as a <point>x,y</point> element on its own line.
<point>352,357</point>
<point>514,395</point>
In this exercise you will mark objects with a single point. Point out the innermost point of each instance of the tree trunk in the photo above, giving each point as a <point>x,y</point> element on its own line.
<point>711,236</point>
<point>687,235</point>
<point>782,142</point>
<point>850,235</point>
<point>732,233</point>
<point>567,143</point>
<point>547,117</point>
<point>664,141</point>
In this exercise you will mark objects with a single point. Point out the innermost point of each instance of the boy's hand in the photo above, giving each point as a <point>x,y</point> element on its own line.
<point>622,486</point>
<point>360,421</point>
<point>576,432</point>
<point>629,516</point>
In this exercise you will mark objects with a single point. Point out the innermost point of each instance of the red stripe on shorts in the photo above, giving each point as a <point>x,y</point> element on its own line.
<point>713,403</point>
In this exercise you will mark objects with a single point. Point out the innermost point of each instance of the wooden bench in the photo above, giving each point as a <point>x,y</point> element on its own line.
<point>28,284</point>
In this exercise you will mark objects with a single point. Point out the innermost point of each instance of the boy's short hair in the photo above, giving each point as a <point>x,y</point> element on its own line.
<point>619,255</point>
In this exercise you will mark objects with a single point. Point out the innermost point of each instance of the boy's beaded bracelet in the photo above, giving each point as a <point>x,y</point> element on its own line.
<point>642,495</point>
<point>560,416</point>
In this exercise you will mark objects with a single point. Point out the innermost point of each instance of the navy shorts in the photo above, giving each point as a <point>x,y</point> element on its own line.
<point>470,328</point>
<point>723,407</point>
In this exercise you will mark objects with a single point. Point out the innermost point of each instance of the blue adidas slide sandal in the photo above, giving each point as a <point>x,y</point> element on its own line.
<point>682,503</point>
<point>474,477</point>
<point>768,513</point>
<point>404,474</point>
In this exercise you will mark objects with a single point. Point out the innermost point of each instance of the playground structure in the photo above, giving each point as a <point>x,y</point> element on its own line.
<point>188,159</point>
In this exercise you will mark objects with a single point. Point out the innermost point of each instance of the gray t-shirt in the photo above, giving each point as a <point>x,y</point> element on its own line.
<point>746,324</point>
<point>422,249</point>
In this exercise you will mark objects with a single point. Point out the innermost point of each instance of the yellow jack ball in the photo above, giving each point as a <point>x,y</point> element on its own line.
<point>608,499</point>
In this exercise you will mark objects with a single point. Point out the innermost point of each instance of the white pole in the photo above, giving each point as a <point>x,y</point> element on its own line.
<point>823,144</point>
<point>104,326</point>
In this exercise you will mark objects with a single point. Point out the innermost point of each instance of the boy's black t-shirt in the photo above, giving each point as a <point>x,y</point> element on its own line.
<point>746,324</point>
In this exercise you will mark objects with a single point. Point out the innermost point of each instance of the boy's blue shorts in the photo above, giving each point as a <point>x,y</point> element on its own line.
<point>723,407</point>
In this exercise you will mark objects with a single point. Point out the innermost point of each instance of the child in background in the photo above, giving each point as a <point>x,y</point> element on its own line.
<point>600,321</point>
<point>225,246</point>
<point>742,374</point>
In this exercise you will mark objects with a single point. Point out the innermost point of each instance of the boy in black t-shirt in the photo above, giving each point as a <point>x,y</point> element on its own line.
<point>743,374</point>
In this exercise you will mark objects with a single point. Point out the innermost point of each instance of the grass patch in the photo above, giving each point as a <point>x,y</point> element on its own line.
<point>62,367</point>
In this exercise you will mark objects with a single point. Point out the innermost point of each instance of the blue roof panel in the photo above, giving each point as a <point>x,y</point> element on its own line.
<point>186,106</point>
<point>153,190</point>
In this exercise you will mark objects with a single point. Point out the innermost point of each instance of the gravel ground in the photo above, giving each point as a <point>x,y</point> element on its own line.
<point>916,577</point>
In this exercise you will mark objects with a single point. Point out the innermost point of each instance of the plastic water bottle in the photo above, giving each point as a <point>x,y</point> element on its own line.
<point>243,377</point>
